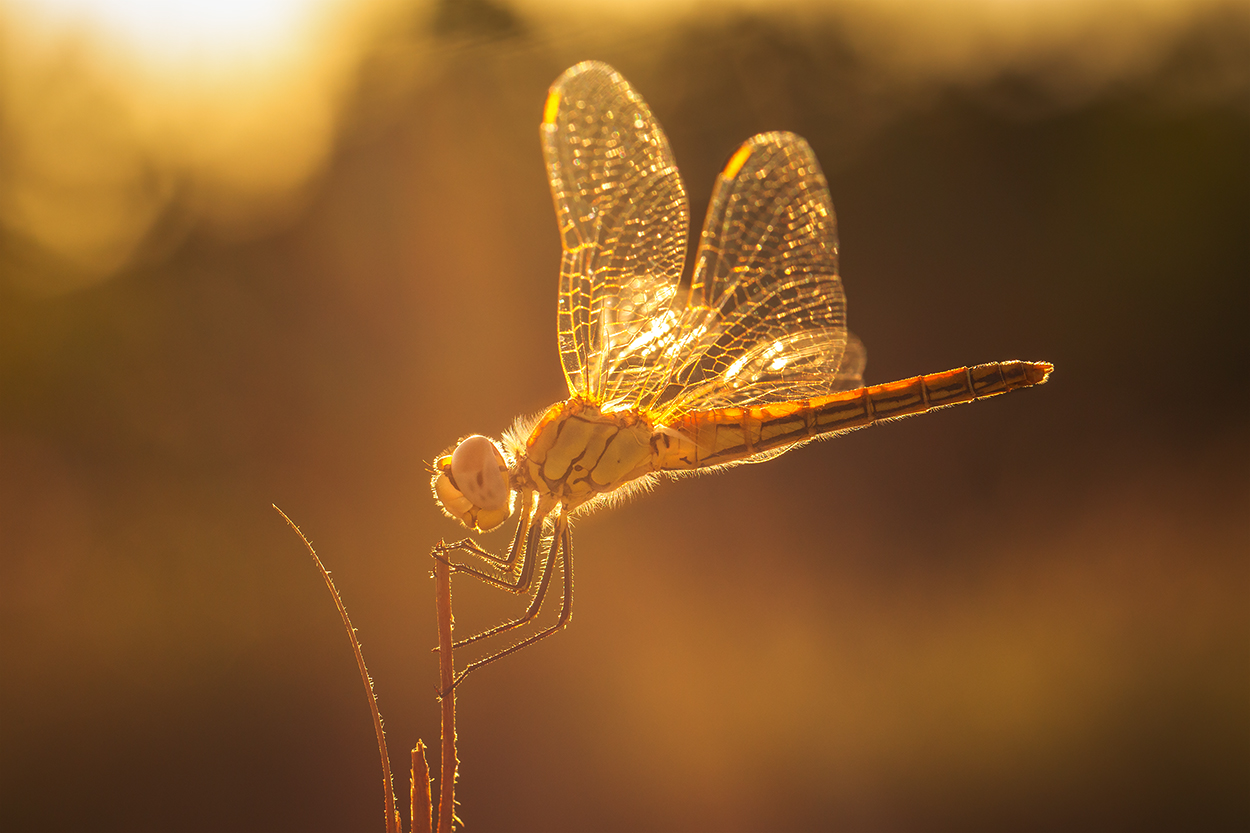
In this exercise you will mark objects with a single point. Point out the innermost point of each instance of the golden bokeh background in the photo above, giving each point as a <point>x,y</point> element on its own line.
<point>286,252</point>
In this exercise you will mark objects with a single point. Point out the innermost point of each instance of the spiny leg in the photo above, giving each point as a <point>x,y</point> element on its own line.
<point>473,548</point>
<point>540,594</point>
<point>529,556</point>
<point>561,545</point>
<point>525,545</point>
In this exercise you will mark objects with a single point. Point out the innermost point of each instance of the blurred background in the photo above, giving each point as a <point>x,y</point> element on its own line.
<point>288,251</point>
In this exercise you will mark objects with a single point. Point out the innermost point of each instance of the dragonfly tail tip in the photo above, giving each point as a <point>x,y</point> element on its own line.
<point>1039,372</point>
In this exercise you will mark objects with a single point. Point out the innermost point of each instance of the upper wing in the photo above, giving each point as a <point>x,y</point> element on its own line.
<point>765,316</point>
<point>624,221</point>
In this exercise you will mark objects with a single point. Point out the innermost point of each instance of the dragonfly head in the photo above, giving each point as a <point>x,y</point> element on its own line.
<point>471,484</point>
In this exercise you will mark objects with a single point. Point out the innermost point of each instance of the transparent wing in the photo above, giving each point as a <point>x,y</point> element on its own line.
<point>624,221</point>
<point>765,316</point>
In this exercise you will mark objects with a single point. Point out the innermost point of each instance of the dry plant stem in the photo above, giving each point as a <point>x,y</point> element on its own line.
<point>447,676</point>
<point>419,800</point>
<point>392,815</point>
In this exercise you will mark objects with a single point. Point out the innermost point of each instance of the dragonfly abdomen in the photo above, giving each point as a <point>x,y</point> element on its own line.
<point>730,435</point>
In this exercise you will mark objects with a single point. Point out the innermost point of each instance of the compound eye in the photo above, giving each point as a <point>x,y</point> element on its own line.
<point>480,473</point>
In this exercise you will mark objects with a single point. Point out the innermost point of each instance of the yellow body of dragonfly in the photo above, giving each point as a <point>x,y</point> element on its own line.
<point>747,358</point>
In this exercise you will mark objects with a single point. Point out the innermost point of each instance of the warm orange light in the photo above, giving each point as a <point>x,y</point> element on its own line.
<point>112,110</point>
<point>228,106</point>
<point>182,32</point>
<point>736,162</point>
<point>550,108</point>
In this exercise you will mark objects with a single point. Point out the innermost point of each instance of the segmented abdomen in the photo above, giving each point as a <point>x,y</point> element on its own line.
<point>727,435</point>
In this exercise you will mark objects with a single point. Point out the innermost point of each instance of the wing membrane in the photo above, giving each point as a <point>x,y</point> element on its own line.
<point>763,319</point>
<point>624,219</point>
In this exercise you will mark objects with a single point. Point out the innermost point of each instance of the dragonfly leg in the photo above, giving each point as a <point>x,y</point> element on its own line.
<point>536,603</point>
<point>506,561</point>
<point>499,569</point>
<point>561,547</point>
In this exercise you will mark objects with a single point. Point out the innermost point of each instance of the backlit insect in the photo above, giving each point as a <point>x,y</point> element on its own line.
<point>744,360</point>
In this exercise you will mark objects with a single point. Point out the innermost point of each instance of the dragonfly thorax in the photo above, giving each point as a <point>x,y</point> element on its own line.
<point>577,452</point>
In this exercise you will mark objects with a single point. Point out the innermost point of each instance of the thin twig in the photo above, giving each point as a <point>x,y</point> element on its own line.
<point>392,815</point>
<point>420,800</point>
<point>447,675</point>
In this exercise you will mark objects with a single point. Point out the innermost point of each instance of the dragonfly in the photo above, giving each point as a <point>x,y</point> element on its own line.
<point>743,360</point>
